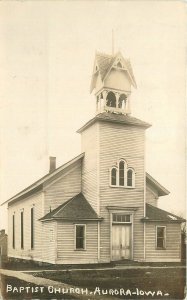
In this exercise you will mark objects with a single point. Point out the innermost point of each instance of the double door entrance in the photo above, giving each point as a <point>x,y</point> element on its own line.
<point>121,241</point>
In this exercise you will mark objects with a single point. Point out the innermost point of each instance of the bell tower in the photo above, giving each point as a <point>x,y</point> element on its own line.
<point>112,79</point>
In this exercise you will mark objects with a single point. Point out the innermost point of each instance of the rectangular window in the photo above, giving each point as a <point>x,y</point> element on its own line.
<point>121,218</point>
<point>160,237</point>
<point>32,228</point>
<point>80,237</point>
<point>13,231</point>
<point>113,176</point>
<point>22,242</point>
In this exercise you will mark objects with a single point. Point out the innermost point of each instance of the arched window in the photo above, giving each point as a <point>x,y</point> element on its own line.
<point>111,99</point>
<point>121,173</point>
<point>130,178</point>
<point>122,101</point>
<point>114,176</point>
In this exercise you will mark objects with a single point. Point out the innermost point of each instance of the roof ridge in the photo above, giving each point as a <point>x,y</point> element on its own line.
<point>104,54</point>
<point>43,178</point>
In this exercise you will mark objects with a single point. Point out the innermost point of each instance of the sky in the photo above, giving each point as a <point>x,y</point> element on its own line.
<point>46,62</point>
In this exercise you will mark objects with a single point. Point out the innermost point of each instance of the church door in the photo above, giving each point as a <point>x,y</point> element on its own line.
<point>121,241</point>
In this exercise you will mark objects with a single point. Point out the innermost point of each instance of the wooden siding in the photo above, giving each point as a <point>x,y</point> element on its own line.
<point>127,142</point>
<point>90,169</point>
<point>63,188</point>
<point>35,201</point>
<point>49,242</point>
<point>173,243</point>
<point>66,244</point>
<point>151,196</point>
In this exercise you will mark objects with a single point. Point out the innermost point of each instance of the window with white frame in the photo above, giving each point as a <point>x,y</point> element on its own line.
<point>161,237</point>
<point>22,230</point>
<point>13,231</point>
<point>122,175</point>
<point>32,227</point>
<point>121,218</point>
<point>130,178</point>
<point>113,176</point>
<point>80,237</point>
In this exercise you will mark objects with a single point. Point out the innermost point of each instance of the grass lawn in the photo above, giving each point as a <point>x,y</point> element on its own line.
<point>170,282</point>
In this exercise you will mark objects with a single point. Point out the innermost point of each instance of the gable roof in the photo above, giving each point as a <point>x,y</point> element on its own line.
<point>115,118</point>
<point>76,208</point>
<point>162,191</point>
<point>159,215</point>
<point>38,185</point>
<point>105,63</point>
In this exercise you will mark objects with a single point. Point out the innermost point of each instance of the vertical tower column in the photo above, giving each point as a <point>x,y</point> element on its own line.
<point>105,93</point>
<point>127,106</point>
<point>117,99</point>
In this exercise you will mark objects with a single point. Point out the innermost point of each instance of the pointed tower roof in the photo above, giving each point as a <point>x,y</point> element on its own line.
<point>105,62</point>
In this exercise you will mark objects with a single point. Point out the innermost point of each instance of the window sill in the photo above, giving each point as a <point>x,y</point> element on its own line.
<point>123,187</point>
<point>79,249</point>
<point>160,248</point>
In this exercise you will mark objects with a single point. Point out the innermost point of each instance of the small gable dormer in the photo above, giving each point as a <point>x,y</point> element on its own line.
<point>111,81</point>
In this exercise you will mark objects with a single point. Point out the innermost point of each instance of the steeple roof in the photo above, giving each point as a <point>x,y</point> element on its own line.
<point>105,63</point>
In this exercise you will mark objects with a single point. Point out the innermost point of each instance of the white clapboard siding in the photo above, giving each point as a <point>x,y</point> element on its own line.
<point>49,242</point>
<point>151,197</point>
<point>63,188</point>
<point>35,201</point>
<point>173,243</point>
<point>90,165</point>
<point>127,142</point>
<point>66,243</point>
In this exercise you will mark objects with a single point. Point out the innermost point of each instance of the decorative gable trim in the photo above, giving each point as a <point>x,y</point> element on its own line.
<point>127,67</point>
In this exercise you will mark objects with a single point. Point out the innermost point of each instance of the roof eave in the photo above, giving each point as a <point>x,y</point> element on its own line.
<point>163,221</point>
<point>35,190</point>
<point>70,219</point>
<point>162,191</point>
<point>38,185</point>
<point>95,119</point>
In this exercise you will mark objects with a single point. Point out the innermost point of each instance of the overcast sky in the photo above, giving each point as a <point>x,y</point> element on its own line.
<point>46,60</point>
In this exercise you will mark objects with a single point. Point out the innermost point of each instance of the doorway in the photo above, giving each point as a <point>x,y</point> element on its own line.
<point>121,241</point>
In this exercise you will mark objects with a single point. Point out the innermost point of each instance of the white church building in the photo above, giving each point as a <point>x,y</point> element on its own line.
<point>101,206</point>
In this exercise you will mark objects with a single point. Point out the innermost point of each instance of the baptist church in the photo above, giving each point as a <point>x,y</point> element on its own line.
<point>101,206</point>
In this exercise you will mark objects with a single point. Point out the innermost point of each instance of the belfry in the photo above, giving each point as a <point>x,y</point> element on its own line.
<point>112,79</point>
